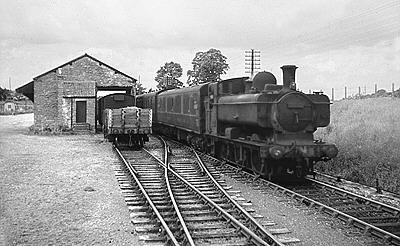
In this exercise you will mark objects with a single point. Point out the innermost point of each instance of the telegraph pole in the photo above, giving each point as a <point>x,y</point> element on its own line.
<point>252,61</point>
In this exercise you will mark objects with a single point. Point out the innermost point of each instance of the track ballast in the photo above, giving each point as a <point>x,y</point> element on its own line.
<point>175,199</point>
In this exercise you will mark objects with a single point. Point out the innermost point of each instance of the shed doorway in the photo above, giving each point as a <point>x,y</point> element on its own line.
<point>81,112</point>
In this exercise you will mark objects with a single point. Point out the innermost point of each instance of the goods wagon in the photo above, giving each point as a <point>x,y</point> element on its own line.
<point>128,126</point>
<point>113,101</point>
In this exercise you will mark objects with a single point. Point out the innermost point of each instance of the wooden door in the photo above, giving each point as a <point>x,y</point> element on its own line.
<point>81,112</point>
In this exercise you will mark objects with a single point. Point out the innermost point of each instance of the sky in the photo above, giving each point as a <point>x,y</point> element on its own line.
<point>334,43</point>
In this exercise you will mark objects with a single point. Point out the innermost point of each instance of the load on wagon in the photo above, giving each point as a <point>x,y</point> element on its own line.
<point>128,126</point>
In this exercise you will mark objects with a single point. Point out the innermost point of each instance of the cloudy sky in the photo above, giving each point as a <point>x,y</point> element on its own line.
<point>334,43</point>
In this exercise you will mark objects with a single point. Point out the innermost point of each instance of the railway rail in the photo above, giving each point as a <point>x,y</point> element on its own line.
<point>372,217</point>
<point>175,199</point>
<point>373,192</point>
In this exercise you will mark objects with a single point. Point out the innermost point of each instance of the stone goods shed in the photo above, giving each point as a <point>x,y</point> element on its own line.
<point>65,97</point>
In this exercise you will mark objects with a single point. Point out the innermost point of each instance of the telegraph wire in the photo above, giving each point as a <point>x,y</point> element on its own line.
<point>327,31</point>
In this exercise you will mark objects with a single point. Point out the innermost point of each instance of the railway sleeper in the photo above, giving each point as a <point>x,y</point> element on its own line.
<point>205,218</point>
<point>194,197</point>
<point>201,187</point>
<point>196,201</point>
<point>154,177</point>
<point>186,173</point>
<point>138,208</point>
<point>159,196</point>
<point>194,182</point>
<point>147,168</point>
<point>188,207</point>
<point>208,191</point>
<point>191,213</point>
<point>237,242</point>
<point>223,231</point>
<point>184,168</point>
<point>153,238</point>
<point>155,229</point>
<point>141,214</point>
<point>210,225</point>
<point>156,190</point>
<point>152,183</point>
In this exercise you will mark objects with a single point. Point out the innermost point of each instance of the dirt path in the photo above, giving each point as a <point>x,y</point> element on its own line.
<point>52,192</point>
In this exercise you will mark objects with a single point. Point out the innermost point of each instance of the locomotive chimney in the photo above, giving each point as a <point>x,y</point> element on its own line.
<point>289,76</point>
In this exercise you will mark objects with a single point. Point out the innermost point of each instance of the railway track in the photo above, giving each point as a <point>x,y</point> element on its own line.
<point>373,192</point>
<point>175,200</point>
<point>370,216</point>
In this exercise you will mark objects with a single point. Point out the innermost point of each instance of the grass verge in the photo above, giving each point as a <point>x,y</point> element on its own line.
<point>367,134</point>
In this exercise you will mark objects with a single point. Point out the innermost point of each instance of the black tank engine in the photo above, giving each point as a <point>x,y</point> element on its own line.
<point>255,124</point>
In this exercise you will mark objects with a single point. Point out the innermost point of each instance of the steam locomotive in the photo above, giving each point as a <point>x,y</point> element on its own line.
<point>255,124</point>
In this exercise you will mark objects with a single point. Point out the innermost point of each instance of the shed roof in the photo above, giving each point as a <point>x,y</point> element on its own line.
<point>28,89</point>
<point>91,57</point>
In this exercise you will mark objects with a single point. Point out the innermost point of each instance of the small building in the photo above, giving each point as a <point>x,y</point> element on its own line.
<point>7,107</point>
<point>16,106</point>
<point>65,96</point>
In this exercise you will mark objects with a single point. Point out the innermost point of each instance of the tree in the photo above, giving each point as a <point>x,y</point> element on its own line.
<point>139,88</point>
<point>207,66</point>
<point>167,76</point>
<point>4,93</point>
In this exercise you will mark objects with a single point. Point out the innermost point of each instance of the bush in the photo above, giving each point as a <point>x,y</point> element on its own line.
<point>51,130</point>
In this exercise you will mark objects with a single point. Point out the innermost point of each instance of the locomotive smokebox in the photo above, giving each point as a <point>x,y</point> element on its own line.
<point>289,76</point>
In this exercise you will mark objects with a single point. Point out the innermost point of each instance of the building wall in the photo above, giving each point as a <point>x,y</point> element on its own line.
<point>46,101</point>
<point>86,69</point>
<point>56,92</point>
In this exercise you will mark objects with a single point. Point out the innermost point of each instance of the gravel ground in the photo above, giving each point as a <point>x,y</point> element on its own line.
<point>308,225</point>
<point>53,192</point>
